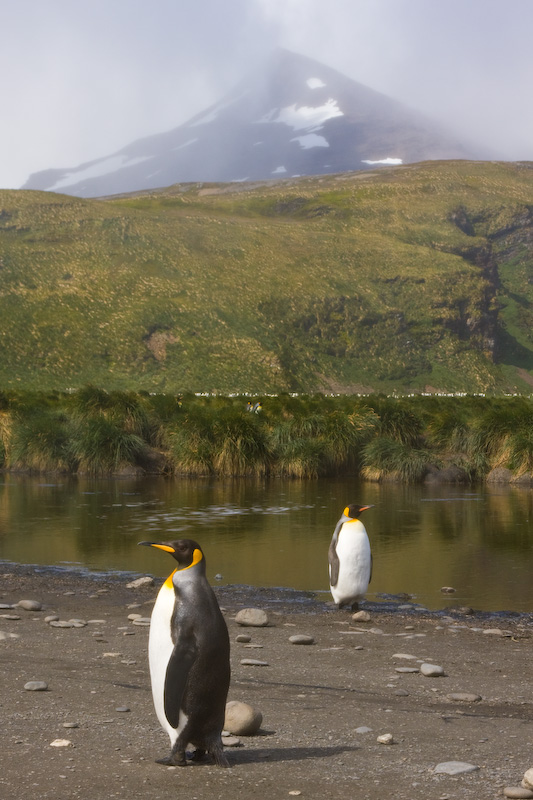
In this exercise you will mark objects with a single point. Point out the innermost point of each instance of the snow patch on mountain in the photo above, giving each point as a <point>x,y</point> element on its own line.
<point>105,167</point>
<point>304,117</point>
<point>315,83</point>
<point>309,140</point>
<point>279,171</point>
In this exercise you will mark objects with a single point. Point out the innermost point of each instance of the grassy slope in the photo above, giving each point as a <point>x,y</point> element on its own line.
<point>364,279</point>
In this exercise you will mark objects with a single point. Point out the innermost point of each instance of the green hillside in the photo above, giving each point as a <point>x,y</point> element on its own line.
<point>406,278</point>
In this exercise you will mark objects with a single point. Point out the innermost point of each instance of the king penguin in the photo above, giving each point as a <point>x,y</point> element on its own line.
<point>350,558</point>
<point>188,651</point>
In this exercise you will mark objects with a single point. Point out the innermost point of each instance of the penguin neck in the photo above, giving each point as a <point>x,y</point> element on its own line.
<point>183,578</point>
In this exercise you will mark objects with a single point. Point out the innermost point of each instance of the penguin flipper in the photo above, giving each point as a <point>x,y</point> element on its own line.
<point>334,564</point>
<point>178,667</point>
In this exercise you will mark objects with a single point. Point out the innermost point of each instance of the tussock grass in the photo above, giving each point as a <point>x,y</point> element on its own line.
<point>379,438</point>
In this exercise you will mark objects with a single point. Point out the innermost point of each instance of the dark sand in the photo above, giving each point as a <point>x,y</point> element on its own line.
<point>313,698</point>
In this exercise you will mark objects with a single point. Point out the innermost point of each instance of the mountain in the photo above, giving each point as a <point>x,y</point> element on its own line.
<point>294,116</point>
<point>397,279</point>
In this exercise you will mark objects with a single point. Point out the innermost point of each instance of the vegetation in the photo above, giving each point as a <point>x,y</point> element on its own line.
<point>379,438</point>
<point>404,279</point>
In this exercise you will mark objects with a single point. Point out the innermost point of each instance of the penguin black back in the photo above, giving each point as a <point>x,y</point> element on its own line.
<point>189,656</point>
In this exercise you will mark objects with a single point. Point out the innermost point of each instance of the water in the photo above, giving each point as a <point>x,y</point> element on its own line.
<point>277,533</point>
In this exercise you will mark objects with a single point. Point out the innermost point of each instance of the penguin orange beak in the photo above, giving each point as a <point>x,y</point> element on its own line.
<point>166,547</point>
<point>363,508</point>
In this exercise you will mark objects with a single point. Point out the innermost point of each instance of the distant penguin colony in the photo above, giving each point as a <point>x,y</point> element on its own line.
<point>188,652</point>
<point>350,559</point>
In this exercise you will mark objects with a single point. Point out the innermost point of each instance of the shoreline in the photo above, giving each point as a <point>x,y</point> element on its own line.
<point>271,597</point>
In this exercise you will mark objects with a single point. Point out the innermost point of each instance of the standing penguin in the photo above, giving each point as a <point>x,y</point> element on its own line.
<point>188,652</point>
<point>350,559</point>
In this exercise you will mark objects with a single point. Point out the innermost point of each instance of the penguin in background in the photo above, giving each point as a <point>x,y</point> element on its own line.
<point>188,651</point>
<point>350,558</point>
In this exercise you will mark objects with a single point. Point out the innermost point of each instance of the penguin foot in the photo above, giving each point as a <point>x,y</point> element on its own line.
<point>198,755</point>
<point>355,606</point>
<point>171,761</point>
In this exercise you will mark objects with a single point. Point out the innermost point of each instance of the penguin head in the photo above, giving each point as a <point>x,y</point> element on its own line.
<point>187,552</point>
<point>354,511</point>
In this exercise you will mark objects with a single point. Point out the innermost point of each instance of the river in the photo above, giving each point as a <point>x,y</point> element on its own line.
<point>478,541</point>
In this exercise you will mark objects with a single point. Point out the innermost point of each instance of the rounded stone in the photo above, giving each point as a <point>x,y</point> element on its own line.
<point>143,622</point>
<point>361,616</point>
<point>385,738</point>
<point>71,725</point>
<point>123,709</point>
<point>301,638</point>
<point>36,686</point>
<point>431,670</point>
<point>252,617</point>
<point>141,583</point>
<point>241,719</point>
<point>527,780</point>
<point>244,638</point>
<point>30,605</point>
<point>231,741</point>
<point>464,697</point>
<point>61,623</point>
<point>253,662</point>
<point>51,618</point>
<point>60,743</point>
<point>518,792</point>
<point>454,768</point>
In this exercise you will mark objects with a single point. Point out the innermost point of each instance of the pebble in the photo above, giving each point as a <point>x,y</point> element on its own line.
<point>401,693</point>
<point>301,638</point>
<point>517,792</point>
<point>527,780</point>
<point>406,656</point>
<point>9,616</point>
<point>406,670</point>
<point>61,623</point>
<point>464,697</point>
<point>497,632</point>
<point>5,635</point>
<point>60,743</point>
<point>36,686</point>
<point>241,719</point>
<point>71,725</point>
<point>123,709</point>
<point>454,768</point>
<point>385,738</point>
<point>135,616</point>
<point>6,605</point>
<point>141,583</point>
<point>78,623</point>
<point>30,605</point>
<point>431,670</point>
<point>231,741</point>
<point>253,662</point>
<point>243,637</point>
<point>361,616</point>
<point>51,618</point>
<point>252,617</point>
<point>363,729</point>
<point>143,622</point>
<point>448,589</point>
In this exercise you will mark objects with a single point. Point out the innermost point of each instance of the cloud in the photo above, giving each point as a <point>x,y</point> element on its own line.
<point>82,80</point>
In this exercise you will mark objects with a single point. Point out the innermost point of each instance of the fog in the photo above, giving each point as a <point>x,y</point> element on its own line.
<point>82,80</point>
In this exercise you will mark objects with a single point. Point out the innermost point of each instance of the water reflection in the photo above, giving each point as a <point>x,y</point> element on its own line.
<point>276,533</point>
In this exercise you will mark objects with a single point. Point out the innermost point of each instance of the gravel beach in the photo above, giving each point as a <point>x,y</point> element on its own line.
<point>406,703</point>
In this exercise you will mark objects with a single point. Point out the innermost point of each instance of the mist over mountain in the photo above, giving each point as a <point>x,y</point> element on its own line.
<point>293,117</point>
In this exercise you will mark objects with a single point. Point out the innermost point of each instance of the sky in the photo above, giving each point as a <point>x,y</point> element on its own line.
<point>81,80</point>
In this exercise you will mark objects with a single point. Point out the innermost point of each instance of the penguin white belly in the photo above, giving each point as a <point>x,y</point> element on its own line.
<point>353,551</point>
<point>160,647</point>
